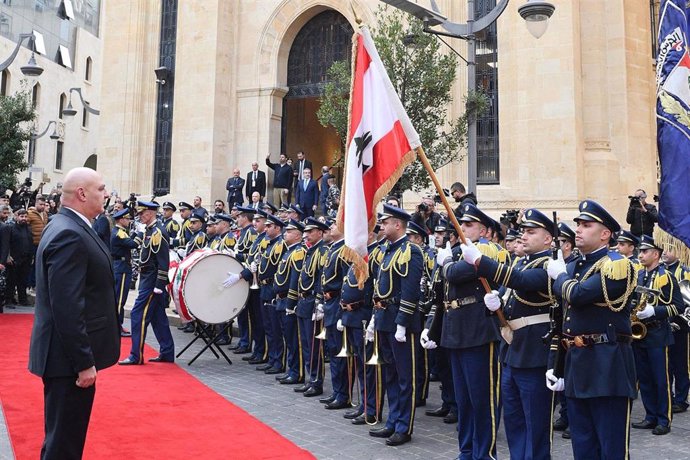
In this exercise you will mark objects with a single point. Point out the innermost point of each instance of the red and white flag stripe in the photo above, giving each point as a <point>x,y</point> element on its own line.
<point>381,143</point>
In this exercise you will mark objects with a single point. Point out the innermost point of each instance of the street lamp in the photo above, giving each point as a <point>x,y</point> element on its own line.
<point>536,14</point>
<point>31,69</point>
<point>70,111</point>
<point>54,136</point>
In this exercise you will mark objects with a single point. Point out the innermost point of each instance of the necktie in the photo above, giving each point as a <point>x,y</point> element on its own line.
<point>305,185</point>
<point>301,170</point>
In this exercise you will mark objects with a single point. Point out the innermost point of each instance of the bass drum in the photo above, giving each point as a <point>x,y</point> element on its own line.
<point>198,291</point>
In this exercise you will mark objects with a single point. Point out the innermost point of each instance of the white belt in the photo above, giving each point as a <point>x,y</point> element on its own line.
<point>519,323</point>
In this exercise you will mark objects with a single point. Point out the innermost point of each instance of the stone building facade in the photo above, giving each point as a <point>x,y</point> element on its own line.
<point>576,106</point>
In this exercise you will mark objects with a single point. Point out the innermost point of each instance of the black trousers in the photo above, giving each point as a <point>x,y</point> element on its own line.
<point>17,277</point>
<point>67,411</point>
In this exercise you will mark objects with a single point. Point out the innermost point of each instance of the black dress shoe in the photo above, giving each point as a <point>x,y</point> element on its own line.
<point>381,432</point>
<point>302,389</point>
<point>678,408</point>
<point>434,378</point>
<point>644,425</point>
<point>273,371</point>
<point>257,361</point>
<point>352,413</point>
<point>128,362</point>
<point>264,367</point>
<point>452,417</point>
<point>242,351</point>
<point>313,391</point>
<point>249,358</point>
<point>160,359</point>
<point>560,424</point>
<point>124,333</point>
<point>661,430</point>
<point>188,328</point>
<point>234,347</point>
<point>420,403</point>
<point>440,412</point>
<point>290,381</point>
<point>282,376</point>
<point>337,405</point>
<point>327,400</point>
<point>361,420</point>
<point>398,439</point>
<point>566,433</point>
<point>222,341</point>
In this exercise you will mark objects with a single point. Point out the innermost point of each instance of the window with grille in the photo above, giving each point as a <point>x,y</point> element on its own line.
<point>58,155</point>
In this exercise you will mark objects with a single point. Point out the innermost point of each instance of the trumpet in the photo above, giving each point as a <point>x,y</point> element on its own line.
<point>255,284</point>
<point>685,293</point>
<point>377,416</point>
<point>637,327</point>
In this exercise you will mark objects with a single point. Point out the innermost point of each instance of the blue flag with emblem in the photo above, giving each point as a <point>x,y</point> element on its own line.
<point>673,127</point>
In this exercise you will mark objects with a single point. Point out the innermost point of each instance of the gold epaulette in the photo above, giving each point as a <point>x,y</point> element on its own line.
<point>616,270</point>
<point>503,256</point>
<point>405,254</point>
<point>324,258</point>
<point>264,244</point>
<point>298,254</point>
<point>488,250</point>
<point>660,281</point>
<point>156,238</point>
<point>430,263</point>
<point>122,234</point>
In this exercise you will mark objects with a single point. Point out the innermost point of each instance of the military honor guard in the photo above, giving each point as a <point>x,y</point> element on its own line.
<point>185,232</point>
<point>121,245</point>
<point>397,321</point>
<point>239,247</point>
<point>328,308</point>
<point>599,373</point>
<point>171,226</point>
<point>679,357</point>
<point>652,313</point>
<point>267,267</point>
<point>471,337</point>
<point>149,307</point>
<point>198,239</point>
<point>526,400</point>
<point>312,348</point>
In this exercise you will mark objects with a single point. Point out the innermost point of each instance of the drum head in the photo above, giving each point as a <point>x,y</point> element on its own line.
<point>203,291</point>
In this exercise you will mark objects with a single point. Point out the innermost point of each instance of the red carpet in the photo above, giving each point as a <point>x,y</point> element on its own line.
<point>155,411</point>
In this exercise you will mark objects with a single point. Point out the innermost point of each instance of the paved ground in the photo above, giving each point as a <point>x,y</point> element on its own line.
<point>328,435</point>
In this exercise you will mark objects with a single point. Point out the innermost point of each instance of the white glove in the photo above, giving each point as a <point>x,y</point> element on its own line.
<point>371,328</point>
<point>555,267</point>
<point>289,312</point>
<point>425,342</point>
<point>646,312</point>
<point>230,252</point>
<point>252,267</point>
<point>400,333</point>
<point>443,254</point>
<point>319,312</point>
<point>492,300</point>
<point>470,252</point>
<point>339,325</point>
<point>554,383</point>
<point>182,252</point>
<point>157,291</point>
<point>231,280</point>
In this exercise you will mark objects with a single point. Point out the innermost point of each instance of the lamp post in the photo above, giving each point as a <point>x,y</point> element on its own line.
<point>70,111</point>
<point>535,12</point>
<point>54,136</point>
<point>31,69</point>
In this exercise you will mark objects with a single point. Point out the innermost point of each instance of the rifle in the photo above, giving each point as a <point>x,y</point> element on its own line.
<point>556,330</point>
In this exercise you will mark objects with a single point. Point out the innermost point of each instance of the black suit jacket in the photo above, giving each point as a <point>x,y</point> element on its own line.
<point>76,324</point>
<point>296,167</point>
<point>234,186</point>
<point>260,184</point>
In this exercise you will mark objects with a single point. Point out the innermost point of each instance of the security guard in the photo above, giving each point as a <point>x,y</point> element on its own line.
<point>328,308</point>
<point>172,228</point>
<point>397,321</point>
<point>199,239</point>
<point>526,400</point>
<point>251,261</point>
<point>679,356</point>
<point>121,245</point>
<point>626,245</point>
<point>599,375</point>
<point>357,305</point>
<point>185,233</point>
<point>286,289</point>
<point>267,267</point>
<point>417,235</point>
<point>149,308</point>
<point>651,351</point>
<point>471,337</point>
<point>239,247</point>
<point>312,348</point>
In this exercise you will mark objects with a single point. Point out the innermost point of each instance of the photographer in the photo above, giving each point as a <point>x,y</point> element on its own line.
<point>426,215</point>
<point>459,194</point>
<point>641,216</point>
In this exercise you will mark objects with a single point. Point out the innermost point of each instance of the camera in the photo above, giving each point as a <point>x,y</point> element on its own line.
<point>423,207</point>
<point>634,199</point>
<point>510,218</point>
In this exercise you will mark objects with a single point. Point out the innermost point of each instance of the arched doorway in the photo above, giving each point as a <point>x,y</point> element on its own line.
<point>325,39</point>
<point>91,162</point>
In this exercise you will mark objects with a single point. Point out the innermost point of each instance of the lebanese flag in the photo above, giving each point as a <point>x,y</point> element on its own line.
<point>381,142</point>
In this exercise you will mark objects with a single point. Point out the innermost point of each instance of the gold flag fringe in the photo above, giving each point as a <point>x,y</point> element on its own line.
<point>667,241</point>
<point>359,265</point>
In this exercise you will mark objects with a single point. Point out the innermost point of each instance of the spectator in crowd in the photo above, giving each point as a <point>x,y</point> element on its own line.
<point>282,179</point>
<point>37,216</point>
<point>256,202</point>
<point>235,186</point>
<point>307,194</point>
<point>103,227</point>
<point>6,214</point>
<point>219,207</point>
<point>53,208</point>
<point>256,182</point>
<point>393,201</point>
<point>55,195</point>
<point>323,185</point>
<point>641,215</point>
<point>198,209</point>
<point>333,198</point>
<point>4,245</point>
<point>460,195</point>
<point>18,258</point>
<point>298,169</point>
<point>426,215</point>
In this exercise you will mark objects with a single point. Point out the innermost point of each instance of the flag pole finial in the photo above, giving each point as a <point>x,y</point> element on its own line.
<point>358,20</point>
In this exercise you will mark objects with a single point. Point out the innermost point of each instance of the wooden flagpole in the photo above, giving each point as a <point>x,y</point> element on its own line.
<point>454,220</point>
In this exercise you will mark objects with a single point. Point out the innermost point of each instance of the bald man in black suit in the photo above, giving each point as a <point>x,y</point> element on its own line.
<point>76,330</point>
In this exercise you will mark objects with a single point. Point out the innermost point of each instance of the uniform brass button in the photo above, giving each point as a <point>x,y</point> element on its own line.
<point>577,275</point>
<point>568,318</point>
<point>568,331</point>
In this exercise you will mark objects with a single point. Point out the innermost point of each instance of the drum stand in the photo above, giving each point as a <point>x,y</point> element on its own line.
<point>207,334</point>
